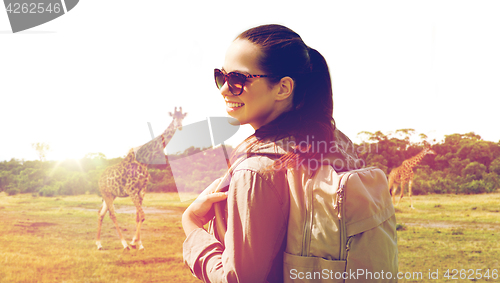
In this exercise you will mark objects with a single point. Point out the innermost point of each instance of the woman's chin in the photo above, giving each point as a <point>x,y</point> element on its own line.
<point>233,121</point>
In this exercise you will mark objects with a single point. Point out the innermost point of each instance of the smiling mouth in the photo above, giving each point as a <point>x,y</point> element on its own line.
<point>234,104</point>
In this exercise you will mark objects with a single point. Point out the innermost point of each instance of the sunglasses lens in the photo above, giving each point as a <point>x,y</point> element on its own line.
<point>219,78</point>
<point>236,82</point>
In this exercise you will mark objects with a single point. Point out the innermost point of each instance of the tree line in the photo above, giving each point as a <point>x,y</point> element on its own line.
<point>194,169</point>
<point>463,164</point>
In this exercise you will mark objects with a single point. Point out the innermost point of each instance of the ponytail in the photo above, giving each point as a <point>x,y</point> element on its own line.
<point>313,96</point>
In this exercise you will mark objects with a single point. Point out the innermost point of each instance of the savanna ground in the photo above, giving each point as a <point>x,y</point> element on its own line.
<point>52,239</point>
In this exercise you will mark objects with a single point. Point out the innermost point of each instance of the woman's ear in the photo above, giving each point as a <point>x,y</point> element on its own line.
<point>285,91</point>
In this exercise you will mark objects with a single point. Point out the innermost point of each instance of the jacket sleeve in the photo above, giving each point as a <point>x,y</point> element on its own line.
<point>257,222</point>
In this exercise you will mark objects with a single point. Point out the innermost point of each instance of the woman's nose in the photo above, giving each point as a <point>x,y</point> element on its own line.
<point>224,90</point>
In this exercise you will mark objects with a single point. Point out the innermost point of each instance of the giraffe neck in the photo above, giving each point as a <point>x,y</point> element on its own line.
<point>412,162</point>
<point>167,135</point>
<point>152,152</point>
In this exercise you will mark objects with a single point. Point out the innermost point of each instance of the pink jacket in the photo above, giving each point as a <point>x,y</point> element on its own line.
<point>258,208</point>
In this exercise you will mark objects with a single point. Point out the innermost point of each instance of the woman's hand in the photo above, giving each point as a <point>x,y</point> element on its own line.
<point>201,210</point>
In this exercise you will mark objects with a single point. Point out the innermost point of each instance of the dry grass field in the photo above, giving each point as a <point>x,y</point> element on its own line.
<point>51,239</point>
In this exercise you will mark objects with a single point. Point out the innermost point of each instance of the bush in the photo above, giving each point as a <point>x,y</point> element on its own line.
<point>440,186</point>
<point>436,182</point>
<point>473,187</point>
<point>492,182</point>
<point>495,166</point>
<point>474,170</point>
<point>77,184</point>
<point>419,187</point>
<point>50,190</point>
<point>11,190</point>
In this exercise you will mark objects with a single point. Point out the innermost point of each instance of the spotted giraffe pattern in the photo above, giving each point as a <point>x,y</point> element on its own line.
<point>404,174</point>
<point>152,152</point>
<point>130,178</point>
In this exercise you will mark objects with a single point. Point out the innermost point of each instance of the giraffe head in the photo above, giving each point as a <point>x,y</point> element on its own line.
<point>428,150</point>
<point>178,117</point>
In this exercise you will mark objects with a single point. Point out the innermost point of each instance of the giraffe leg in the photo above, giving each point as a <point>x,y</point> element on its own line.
<point>136,241</point>
<point>402,191</point>
<point>140,216</point>
<point>102,212</point>
<point>112,215</point>
<point>394,189</point>
<point>391,182</point>
<point>409,192</point>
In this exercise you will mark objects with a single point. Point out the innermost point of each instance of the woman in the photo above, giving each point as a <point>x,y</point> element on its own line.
<point>282,88</point>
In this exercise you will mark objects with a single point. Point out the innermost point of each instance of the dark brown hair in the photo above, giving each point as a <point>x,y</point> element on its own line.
<point>285,54</point>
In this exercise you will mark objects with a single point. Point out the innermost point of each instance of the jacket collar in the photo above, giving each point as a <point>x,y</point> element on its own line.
<point>340,153</point>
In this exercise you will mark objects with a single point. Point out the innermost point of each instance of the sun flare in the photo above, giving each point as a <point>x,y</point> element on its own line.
<point>64,153</point>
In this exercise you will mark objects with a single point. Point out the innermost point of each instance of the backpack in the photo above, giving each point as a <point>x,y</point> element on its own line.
<point>342,227</point>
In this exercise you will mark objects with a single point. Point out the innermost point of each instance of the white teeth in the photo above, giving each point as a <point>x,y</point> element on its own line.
<point>234,105</point>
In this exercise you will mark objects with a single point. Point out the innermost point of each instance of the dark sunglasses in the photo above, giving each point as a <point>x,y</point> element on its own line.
<point>235,81</point>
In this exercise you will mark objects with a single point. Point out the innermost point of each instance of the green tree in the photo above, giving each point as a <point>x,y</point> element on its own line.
<point>12,189</point>
<point>30,180</point>
<point>75,184</point>
<point>464,163</point>
<point>6,178</point>
<point>50,190</point>
<point>495,166</point>
<point>492,181</point>
<point>474,171</point>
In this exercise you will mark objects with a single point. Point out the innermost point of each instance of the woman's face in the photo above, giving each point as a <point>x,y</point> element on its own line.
<point>257,105</point>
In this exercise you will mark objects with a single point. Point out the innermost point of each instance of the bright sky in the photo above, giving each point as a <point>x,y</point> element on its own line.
<point>90,80</point>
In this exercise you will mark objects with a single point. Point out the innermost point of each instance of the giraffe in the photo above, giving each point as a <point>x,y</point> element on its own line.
<point>130,178</point>
<point>404,174</point>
